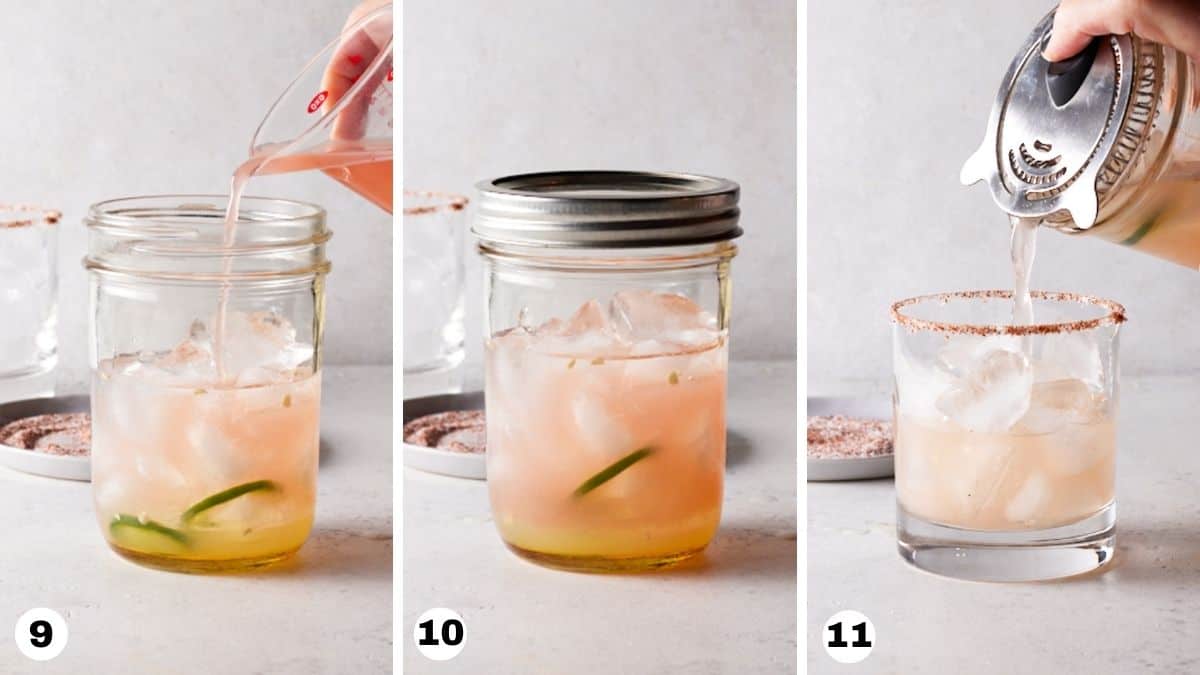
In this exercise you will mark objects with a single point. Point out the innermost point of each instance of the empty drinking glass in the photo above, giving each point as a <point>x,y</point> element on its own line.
<point>28,304</point>
<point>433,292</point>
<point>1005,434</point>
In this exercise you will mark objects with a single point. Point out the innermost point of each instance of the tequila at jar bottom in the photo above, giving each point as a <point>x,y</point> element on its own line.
<point>206,382</point>
<point>606,360</point>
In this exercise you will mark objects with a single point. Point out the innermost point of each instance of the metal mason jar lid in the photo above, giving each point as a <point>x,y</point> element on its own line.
<point>606,209</point>
<point>1061,135</point>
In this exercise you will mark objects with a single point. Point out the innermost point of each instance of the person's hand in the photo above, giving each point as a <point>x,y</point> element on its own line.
<point>1171,22</point>
<point>350,60</point>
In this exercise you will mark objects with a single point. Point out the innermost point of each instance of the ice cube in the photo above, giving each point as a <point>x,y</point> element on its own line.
<point>156,468</point>
<point>588,319</point>
<point>599,428</point>
<point>259,376</point>
<point>588,332</point>
<point>190,363</point>
<point>213,454</point>
<point>1070,356</point>
<point>514,381</point>
<point>257,339</point>
<point>113,489</point>
<point>651,348</point>
<point>961,352</point>
<point>550,327</point>
<point>1057,403</point>
<point>1077,448</point>
<point>918,386</point>
<point>993,394</point>
<point>644,315</point>
<point>982,465</point>
<point>1024,506</point>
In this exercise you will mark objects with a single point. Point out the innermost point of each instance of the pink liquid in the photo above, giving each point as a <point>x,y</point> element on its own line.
<point>567,403</point>
<point>364,167</point>
<point>161,447</point>
<point>1014,480</point>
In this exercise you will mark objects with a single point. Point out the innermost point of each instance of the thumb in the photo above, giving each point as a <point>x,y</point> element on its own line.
<point>1064,44</point>
<point>1076,22</point>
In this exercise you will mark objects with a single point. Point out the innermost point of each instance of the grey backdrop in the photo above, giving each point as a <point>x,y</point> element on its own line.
<point>116,99</point>
<point>899,95</point>
<point>492,88</point>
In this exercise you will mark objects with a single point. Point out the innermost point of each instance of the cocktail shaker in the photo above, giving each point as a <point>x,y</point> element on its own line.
<point>1105,143</point>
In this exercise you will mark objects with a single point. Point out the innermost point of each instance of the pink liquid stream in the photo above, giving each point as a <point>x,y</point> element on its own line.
<point>365,167</point>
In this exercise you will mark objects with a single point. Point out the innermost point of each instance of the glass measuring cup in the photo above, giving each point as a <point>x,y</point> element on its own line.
<point>336,116</point>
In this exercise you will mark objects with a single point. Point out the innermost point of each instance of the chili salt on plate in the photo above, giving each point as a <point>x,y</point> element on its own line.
<point>445,434</point>
<point>849,438</point>
<point>47,437</point>
<point>62,434</point>
<point>454,431</point>
<point>843,437</point>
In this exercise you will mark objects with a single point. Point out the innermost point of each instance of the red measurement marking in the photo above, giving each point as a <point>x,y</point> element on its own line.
<point>317,101</point>
<point>389,74</point>
<point>355,58</point>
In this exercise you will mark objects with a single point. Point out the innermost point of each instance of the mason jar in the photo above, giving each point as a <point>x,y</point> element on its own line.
<point>206,381</point>
<point>608,305</point>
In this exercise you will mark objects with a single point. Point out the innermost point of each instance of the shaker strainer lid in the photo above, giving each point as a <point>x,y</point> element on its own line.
<point>606,209</point>
<point>1061,134</point>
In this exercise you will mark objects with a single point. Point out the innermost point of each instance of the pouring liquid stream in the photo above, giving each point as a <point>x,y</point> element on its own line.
<point>364,167</point>
<point>1023,246</point>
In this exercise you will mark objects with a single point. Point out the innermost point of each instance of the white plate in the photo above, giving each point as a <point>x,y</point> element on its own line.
<point>39,463</point>
<point>434,460</point>
<point>851,468</point>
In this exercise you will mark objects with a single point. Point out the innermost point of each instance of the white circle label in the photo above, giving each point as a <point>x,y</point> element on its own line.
<point>848,636</point>
<point>41,634</point>
<point>440,634</point>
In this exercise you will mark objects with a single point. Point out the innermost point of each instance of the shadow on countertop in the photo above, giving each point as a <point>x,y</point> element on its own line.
<point>742,551</point>
<point>1155,553</point>
<point>737,449</point>
<point>325,452</point>
<point>340,551</point>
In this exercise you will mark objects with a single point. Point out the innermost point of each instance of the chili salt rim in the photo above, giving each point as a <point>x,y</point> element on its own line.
<point>1114,317</point>
<point>37,214</point>
<point>448,202</point>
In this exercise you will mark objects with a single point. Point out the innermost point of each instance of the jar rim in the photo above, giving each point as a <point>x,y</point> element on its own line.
<point>673,256</point>
<point>181,236</point>
<point>111,212</point>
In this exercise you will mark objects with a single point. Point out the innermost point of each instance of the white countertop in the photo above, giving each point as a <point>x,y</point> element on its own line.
<point>735,613</point>
<point>1140,616</point>
<point>328,612</point>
